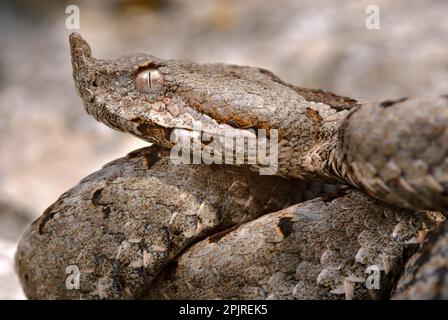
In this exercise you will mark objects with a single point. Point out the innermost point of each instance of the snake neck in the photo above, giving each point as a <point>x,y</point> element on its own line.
<point>315,153</point>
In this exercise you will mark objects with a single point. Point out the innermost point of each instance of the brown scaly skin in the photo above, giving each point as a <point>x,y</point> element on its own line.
<point>398,151</point>
<point>394,151</point>
<point>123,223</point>
<point>318,249</point>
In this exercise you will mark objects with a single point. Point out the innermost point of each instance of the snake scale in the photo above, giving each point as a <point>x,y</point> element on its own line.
<point>143,227</point>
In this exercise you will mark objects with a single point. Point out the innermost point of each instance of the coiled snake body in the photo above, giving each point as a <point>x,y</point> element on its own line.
<point>131,220</point>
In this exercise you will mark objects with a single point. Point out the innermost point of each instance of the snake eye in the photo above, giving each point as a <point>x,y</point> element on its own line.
<point>149,80</point>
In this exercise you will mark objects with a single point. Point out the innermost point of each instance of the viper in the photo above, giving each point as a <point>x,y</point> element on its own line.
<point>155,214</point>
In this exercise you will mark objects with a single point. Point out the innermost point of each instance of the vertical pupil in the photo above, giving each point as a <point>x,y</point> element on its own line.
<point>149,80</point>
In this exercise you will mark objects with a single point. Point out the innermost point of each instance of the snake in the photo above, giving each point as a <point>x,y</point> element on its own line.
<point>145,227</point>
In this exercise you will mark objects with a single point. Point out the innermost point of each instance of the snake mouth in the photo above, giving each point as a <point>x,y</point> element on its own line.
<point>174,115</point>
<point>162,126</point>
<point>205,139</point>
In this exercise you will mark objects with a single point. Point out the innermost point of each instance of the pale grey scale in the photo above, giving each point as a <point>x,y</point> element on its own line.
<point>405,173</point>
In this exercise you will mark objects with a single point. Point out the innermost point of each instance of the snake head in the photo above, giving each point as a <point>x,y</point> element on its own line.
<point>161,101</point>
<point>126,94</point>
<point>139,93</point>
<point>150,97</point>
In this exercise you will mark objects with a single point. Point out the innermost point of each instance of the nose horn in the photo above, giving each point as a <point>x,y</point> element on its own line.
<point>80,51</point>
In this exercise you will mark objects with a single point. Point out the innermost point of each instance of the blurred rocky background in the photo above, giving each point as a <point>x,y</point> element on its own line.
<point>48,143</point>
